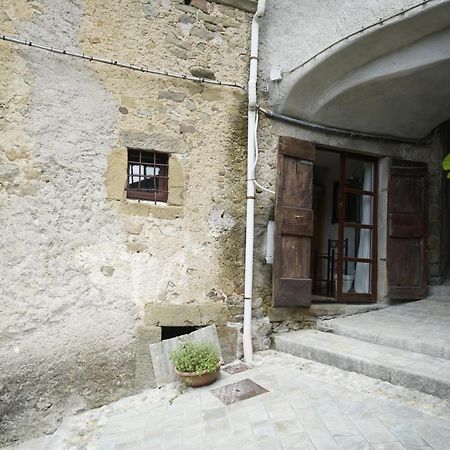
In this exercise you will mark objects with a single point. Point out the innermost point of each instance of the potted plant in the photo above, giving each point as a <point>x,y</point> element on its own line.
<point>196,363</point>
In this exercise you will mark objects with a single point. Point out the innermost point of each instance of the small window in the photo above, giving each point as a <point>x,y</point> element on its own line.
<point>148,174</point>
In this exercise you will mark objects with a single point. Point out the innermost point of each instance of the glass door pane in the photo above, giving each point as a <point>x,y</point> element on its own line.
<point>356,228</point>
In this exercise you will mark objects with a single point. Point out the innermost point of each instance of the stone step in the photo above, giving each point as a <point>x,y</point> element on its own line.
<point>409,369</point>
<point>440,291</point>
<point>420,327</point>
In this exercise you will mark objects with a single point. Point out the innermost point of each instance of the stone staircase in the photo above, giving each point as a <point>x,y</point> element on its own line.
<point>407,344</point>
<point>439,292</point>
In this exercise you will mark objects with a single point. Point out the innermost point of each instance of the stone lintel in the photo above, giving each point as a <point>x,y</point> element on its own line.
<point>154,141</point>
<point>196,314</point>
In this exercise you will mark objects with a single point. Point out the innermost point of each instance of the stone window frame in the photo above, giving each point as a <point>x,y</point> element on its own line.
<point>116,173</point>
<point>147,159</point>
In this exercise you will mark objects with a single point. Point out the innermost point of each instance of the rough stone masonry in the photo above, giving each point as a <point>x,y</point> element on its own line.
<point>82,265</point>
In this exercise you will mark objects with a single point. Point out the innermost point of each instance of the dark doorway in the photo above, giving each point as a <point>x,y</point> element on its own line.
<point>171,332</point>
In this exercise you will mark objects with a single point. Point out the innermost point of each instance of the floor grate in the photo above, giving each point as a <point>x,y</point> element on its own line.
<point>235,392</point>
<point>236,368</point>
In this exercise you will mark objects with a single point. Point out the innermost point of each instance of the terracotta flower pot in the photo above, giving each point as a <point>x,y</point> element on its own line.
<point>195,379</point>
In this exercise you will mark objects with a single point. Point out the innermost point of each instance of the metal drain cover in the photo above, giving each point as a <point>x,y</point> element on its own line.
<point>235,392</point>
<point>236,368</point>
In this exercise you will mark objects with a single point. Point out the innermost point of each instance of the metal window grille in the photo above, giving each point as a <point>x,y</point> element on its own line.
<point>148,174</point>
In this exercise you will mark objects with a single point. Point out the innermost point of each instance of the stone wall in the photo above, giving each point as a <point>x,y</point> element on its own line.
<point>80,262</point>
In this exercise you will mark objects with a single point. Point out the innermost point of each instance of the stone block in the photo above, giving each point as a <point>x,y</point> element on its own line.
<point>213,27</point>
<point>203,5</point>
<point>287,313</point>
<point>236,310</point>
<point>28,188</point>
<point>202,34</point>
<point>194,89</point>
<point>180,54</point>
<point>202,72</point>
<point>176,41</point>
<point>261,329</point>
<point>127,101</point>
<point>32,173</point>
<point>132,227</point>
<point>174,96</point>
<point>186,128</point>
<point>176,173</point>
<point>136,247</point>
<point>107,271</point>
<point>257,303</point>
<point>8,172</point>
<point>257,313</point>
<point>116,174</point>
<point>244,5</point>
<point>144,376</point>
<point>16,153</point>
<point>176,196</point>
<point>228,338</point>
<point>211,94</point>
<point>157,141</point>
<point>198,314</point>
<point>166,212</point>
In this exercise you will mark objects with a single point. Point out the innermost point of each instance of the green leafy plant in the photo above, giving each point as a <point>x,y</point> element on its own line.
<point>446,164</point>
<point>195,357</point>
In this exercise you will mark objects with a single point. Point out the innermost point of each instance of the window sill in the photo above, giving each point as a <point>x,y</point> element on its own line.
<point>159,210</point>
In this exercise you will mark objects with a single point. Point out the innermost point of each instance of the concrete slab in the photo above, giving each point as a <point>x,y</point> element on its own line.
<point>160,352</point>
<point>421,327</point>
<point>413,370</point>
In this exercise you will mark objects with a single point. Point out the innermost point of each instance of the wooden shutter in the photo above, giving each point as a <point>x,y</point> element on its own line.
<point>293,223</point>
<point>407,230</point>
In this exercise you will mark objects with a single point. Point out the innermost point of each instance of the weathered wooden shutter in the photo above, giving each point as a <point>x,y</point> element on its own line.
<point>293,223</point>
<point>407,230</point>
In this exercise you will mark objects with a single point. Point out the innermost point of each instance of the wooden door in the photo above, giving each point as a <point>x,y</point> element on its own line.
<point>407,230</point>
<point>293,223</point>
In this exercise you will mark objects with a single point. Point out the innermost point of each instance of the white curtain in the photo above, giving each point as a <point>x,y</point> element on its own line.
<point>362,272</point>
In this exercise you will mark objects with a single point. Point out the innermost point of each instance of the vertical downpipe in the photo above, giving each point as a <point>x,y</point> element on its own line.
<point>250,221</point>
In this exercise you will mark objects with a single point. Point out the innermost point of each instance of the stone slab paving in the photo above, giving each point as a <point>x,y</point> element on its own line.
<point>308,406</point>
<point>420,326</point>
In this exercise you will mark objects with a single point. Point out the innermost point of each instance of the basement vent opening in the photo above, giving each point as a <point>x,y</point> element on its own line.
<point>172,332</point>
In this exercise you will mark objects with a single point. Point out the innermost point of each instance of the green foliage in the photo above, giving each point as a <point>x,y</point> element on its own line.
<point>195,357</point>
<point>446,164</point>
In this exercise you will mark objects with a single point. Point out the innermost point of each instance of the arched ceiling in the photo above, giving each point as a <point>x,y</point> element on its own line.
<point>392,81</point>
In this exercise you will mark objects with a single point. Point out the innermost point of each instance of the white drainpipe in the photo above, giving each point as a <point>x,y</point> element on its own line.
<point>249,232</point>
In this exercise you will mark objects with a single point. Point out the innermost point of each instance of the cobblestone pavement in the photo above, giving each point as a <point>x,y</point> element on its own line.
<point>308,406</point>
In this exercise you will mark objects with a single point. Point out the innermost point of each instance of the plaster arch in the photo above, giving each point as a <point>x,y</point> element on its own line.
<point>393,80</point>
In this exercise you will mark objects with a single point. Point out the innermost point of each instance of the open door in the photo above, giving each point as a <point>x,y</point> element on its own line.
<point>407,230</point>
<point>293,223</point>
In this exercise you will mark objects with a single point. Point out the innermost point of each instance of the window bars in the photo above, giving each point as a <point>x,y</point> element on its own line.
<point>148,174</point>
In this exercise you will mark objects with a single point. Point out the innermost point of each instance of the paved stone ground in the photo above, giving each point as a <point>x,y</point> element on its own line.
<point>308,406</point>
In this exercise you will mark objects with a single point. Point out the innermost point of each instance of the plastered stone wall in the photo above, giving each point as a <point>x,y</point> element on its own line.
<point>79,261</point>
<point>313,26</point>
